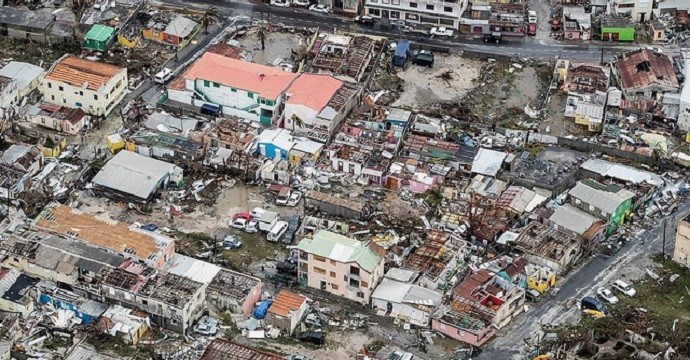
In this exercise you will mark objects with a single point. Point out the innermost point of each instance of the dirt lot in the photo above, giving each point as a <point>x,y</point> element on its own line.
<point>424,86</point>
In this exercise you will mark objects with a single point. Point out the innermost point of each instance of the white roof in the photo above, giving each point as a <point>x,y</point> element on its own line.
<point>197,270</point>
<point>308,146</point>
<point>600,199</point>
<point>24,73</point>
<point>621,172</point>
<point>398,292</point>
<point>573,219</point>
<point>488,162</point>
<point>180,27</point>
<point>133,174</point>
<point>280,138</point>
<point>401,275</point>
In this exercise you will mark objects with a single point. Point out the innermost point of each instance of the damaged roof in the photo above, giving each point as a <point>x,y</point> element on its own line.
<point>221,349</point>
<point>488,162</point>
<point>573,219</point>
<point>81,72</point>
<point>605,197</point>
<point>403,293</point>
<point>644,67</point>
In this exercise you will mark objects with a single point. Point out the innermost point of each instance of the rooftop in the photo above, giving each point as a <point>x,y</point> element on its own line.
<point>285,302</point>
<point>100,32</point>
<point>180,26</point>
<point>81,72</point>
<point>25,17</point>
<point>644,67</point>
<point>267,81</point>
<point>403,293</point>
<point>232,284</point>
<point>605,197</point>
<point>197,270</point>
<point>61,112</point>
<point>341,249</point>
<point>133,174</point>
<point>543,241</point>
<point>573,219</point>
<point>24,73</point>
<point>221,349</point>
<point>313,91</point>
<point>171,289</point>
<point>621,172</point>
<point>488,162</point>
<point>280,138</point>
<point>99,231</point>
<point>617,22</point>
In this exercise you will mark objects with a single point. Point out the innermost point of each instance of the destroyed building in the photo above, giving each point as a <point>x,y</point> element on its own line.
<point>327,203</point>
<point>164,146</point>
<point>58,118</point>
<point>234,292</point>
<point>545,246</point>
<point>344,57</point>
<point>644,74</point>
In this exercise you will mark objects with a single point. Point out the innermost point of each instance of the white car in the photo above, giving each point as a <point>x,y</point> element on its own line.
<point>239,223</point>
<point>624,287</point>
<point>207,326</point>
<point>294,199</point>
<point>279,3</point>
<point>607,295</point>
<point>257,212</point>
<point>321,8</point>
<point>303,3</point>
<point>252,226</point>
<point>441,31</point>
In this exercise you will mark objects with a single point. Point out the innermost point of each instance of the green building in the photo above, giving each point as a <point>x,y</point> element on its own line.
<point>617,29</point>
<point>98,37</point>
<point>608,202</point>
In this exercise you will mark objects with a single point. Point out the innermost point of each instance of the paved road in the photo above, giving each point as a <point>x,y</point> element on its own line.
<point>595,273</point>
<point>522,47</point>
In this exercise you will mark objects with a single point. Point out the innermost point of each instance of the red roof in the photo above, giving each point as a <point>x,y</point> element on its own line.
<point>313,90</point>
<point>266,81</point>
<point>285,302</point>
<point>644,67</point>
<point>468,286</point>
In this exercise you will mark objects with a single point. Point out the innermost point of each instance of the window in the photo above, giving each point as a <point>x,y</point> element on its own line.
<point>61,88</point>
<point>334,286</point>
<point>354,270</point>
<point>319,270</point>
<point>354,283</point>
<point>578,201</point>
<point>386,1</point>
<point>81,93</point>
<point>216,85</point>
<point>429,7</point>
<point>447,9</point>
<point>375,12</point>
<point>448,22</point>
<point>250,95</point>
<point>395,14</point>
<point>64,101</point>
<point>360,294</point>
<point>95,96</point>
<point>319,258</point>
<point>395,2</point>
<point>43,121</point>
<point>119,83</point>
<point>107,96</point>
<point>50,86</point>
<point>332,262</point>
<point>52,97</point>
<point>413,4</point>
<point>233,89</point>
<point>332,274</point>
<point>591,208</point>
<point>145,302</point>
<point>207,83</point>
<point>364,284</point>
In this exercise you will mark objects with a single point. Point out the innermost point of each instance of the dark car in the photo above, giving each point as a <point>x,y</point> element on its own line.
<point>150,227</point>
<point>286,267</point>
<point>424,58</point>
<point>590,303</point>
<point>365,20</point>
<point>495,37</point>
<point>210,110</point>
<point>533,295</point>
<point>293,225</point>
<point>316,338</point>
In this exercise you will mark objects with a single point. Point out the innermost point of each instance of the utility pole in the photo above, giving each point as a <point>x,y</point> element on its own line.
<point>663,242</point>
<point>601,61</point>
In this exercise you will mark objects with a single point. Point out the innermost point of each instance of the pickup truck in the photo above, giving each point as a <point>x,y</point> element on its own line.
<point>441,31</point>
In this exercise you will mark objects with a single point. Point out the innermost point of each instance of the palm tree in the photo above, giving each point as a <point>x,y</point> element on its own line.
<point>296,120</point>
<point>210,17</point>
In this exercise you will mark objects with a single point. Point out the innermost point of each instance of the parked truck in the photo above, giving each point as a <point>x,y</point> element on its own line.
<point>268,220</point>
<point>402,52</point>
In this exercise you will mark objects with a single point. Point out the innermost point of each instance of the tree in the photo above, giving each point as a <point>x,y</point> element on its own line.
<point>210,17</point>
<point>296,120</point>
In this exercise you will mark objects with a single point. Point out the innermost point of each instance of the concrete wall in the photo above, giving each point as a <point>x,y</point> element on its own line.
<point>477,339</point>
<point>95,102</point>
<point>335,275</point>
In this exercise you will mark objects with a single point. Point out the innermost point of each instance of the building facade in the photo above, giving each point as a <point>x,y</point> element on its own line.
<point>428,12</point>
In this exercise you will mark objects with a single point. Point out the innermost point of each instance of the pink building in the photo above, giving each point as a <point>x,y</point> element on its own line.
<point>339,265</point>
<point>467,327</point>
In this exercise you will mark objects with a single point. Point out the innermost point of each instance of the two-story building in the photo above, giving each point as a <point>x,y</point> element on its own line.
<point>611,202</point>
<point>430,12</point>
<point>644,74</point>
<point>92,86</point>
<point>339,265</point>
<point>246,90</point>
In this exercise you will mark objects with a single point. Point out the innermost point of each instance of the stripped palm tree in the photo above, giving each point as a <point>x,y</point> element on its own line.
<point>296,120</point>
<point>210,17</point>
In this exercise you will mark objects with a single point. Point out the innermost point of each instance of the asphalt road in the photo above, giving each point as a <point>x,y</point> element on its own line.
<point>525,47</point>
<point>597,272</point>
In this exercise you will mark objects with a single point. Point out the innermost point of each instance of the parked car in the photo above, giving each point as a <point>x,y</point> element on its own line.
<point>207,325</point>
<point>399,355</point>
<point>365,20</point>
<point>279,3</point>
<point>283,196</point>
<point>163,76</point>
<point>239,223</point>
<point>320,8</point>
<point>624,287</point>
<point>607,295</point>
<point>252,226</point>
<point>293,225</point>
<point>424,58</point>
<point>533,295</point>
<point>294,198</point>
<point>243,215</point>
<point>316,338</point>
<point>398,24</point>
<point>441,31</point>
<point>302,3</point>
<point>494,37</point>
<point>286,267</point>
<point>232,242</point>
<point>590,304</point>
<point>532,17</point>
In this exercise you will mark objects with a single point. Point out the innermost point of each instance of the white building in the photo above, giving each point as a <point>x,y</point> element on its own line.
<point>397,297</point>
<point>432,12</point>
<point>246,90</point>
<point>9,95</point>
<point>684,111</point>
<point>27,76</point>
<point>89,85</point>
<point>639,10</point>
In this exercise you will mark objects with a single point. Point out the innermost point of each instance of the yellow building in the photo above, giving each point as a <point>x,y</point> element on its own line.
<point>115,143</point>
<point>540,278</point>
<point>92,86</point>
<point>52,147</point>
<point>306,151</point>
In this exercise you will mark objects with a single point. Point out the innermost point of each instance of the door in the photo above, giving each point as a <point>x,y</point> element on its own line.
<point>323,285</point>
<point>385,14</point>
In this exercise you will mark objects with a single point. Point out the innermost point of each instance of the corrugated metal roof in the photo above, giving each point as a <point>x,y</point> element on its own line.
<point>342,249</point>
<point>180,27</point>
<point>621,172</point>
<point>488,162</point>
<point>197,270</point>
<point>133,174</point>
<point>608,201</point>
<point>572,219</point>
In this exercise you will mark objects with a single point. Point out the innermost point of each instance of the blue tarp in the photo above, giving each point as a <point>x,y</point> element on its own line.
<point>262,309</point>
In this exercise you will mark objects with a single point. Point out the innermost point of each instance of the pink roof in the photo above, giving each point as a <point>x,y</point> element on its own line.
<point>267,81</point>
<point>313,91</point>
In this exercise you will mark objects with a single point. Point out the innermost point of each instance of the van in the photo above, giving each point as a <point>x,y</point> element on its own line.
<point>163,76</point>
<point>210,110</point>
<point>402,52</point>
<point>277,231</point>
<point>283,196</point>
<point>533,295</point>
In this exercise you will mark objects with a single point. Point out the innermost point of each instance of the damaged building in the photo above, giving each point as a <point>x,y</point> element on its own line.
<point>344,57</point>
